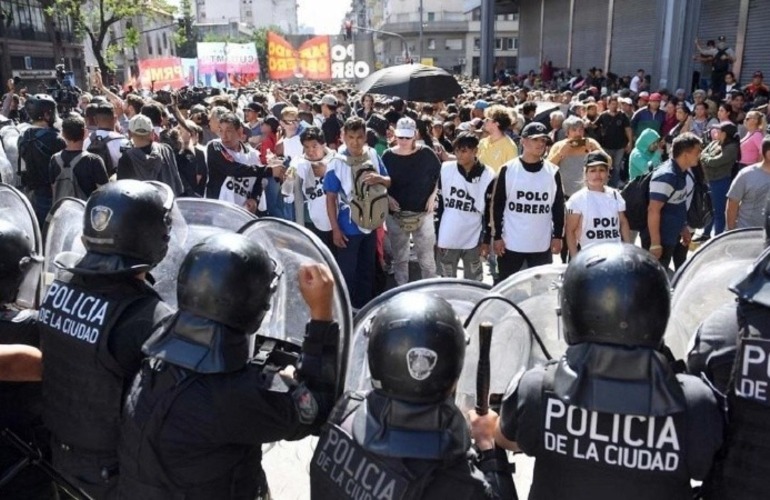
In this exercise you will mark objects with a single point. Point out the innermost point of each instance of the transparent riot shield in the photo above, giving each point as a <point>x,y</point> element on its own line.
<point>284,326</point>
<point>518,342</point>
<point>7,171</point>
<point>9,136</point>
<point>193,220</point>
<point>462,294</point>
<point>65,228</point>
<point>16,209</point>
<point>700,285</point>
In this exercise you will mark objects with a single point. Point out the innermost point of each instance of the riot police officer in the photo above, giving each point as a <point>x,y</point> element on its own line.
<point>611,417</point>
<point>20,366</point>
<point>406,438</point>
<point>715,341</point>
<point>732,350</point>
<point>36,147</point>
<point>199,411</point>
<point>94,322</point>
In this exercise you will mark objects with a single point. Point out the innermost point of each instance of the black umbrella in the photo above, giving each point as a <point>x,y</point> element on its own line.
<point>413,82</point>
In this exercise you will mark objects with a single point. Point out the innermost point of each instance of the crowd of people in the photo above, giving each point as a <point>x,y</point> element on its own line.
<point>142,401</point>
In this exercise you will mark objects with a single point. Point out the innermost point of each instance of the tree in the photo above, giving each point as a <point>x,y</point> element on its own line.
<point>186,37</point>
<point>260,42</point>
<point>93,18</point>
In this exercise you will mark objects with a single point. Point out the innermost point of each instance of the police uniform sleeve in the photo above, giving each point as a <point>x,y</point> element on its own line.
<point>705,425</point>
<point>521,412</point>
<point>138,322</point>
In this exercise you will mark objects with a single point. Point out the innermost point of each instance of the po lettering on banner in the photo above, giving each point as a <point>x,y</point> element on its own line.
<point>752,381</point>
<point>344,64</point>
<point>628,441</point>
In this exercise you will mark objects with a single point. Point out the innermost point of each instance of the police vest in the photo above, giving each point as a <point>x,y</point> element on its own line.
<point>742,468</point>
<point>83,384</point>
<point>464,204</point>
<point>527,218</point>
<point>143,472</point>
<point>599,454</point>
<point>342,469</point>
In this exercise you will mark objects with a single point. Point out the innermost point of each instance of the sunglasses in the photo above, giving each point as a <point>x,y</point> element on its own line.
<point>404,138</point>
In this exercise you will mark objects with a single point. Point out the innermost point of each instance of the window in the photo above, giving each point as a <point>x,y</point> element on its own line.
<point>431,44</point>
<point>476,14</point>
<point>454,44</point>
<point>498,44</point>
<point>149,45</point>
<point>165,41</point>
<point>431,16</point>
<point>477,44</point>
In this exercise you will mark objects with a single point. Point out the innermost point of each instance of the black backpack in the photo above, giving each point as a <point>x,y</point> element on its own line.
<point>701,210</point>
<point>637,196</point>
<point>98,146</point>
<point>720,65</point>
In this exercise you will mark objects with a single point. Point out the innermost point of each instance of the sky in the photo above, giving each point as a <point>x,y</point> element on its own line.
<point>324,17</point>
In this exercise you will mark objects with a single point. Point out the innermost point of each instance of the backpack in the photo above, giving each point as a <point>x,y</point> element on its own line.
<point>720,65</point>
<point>34,153</point>
<point>98,146</point>
<point>66,185</point>
<point>701,210</point>
<point>637,196</point>
<point>369,204</point>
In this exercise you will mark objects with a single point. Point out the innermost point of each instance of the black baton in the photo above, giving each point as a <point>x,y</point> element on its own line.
<point>482,375</point>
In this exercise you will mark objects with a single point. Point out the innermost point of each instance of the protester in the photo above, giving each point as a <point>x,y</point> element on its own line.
<point>748,192</point>
<point>718,159</point>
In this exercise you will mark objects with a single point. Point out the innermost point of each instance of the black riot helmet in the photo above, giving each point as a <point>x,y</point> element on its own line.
<point>38,105</point>
<point>754,286</point>
<point>615,293</point>
<point>15,256</point>
<point>416,348</point>
<point>127,226</point>
<point>229,279</point>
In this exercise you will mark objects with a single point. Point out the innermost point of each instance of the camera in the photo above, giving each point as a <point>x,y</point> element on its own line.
<point>63,89</point>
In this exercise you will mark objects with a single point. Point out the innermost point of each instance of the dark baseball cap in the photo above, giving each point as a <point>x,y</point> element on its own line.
<point>534,130</point>
<point>597,158</point>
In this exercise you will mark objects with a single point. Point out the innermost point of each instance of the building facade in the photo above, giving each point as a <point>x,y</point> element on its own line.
<point>256,13</point>
<point>32,44</point>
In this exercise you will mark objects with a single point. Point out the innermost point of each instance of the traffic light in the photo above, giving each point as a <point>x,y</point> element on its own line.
<point>348,30</point>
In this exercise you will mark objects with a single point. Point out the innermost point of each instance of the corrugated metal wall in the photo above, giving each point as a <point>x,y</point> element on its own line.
<point>589,34</point>
<point>636,35</point>
<point>529,36</point>
<point>556,32</point>
<point>756,54</point>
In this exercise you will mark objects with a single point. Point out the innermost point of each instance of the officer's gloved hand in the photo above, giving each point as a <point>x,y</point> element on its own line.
<point>483,429</point>
<point>317,286</point>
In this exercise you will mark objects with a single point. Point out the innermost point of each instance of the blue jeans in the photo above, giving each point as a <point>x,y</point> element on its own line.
<point>356,262</point>
<point>718,190</point>
<point>274,198</point>
<point>617,156</point>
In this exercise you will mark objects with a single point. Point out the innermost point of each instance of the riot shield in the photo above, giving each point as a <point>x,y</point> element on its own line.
<point>16,208</point>
<point>700,285</point>
<point>7,172</point>
<point>193,220</point>
<point>9,136</point>
<point>462,294</point>
<point>518,343</point>
<point>65,228</point>
<point>291,246</point>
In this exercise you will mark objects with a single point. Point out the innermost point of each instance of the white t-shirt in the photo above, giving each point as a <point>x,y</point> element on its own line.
<point>315,197</point>
<point>238,189</point>
<point>600,215</point>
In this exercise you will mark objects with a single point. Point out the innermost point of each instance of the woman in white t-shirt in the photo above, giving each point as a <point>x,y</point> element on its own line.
<point>596,213</point>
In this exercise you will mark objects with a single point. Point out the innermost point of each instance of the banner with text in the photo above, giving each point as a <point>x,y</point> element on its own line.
<point>321,57</point>
<point>220,64</point>
<point>161,73</point>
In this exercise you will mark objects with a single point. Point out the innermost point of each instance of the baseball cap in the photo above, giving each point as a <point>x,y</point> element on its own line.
<point>655,97</point>
<point>406,127</point>
<point>378,123</point>
<point>329,100</point>
<point>644,95</point>
<point>480,104</point>
<point>534,130</point>
<point>597,158</point>
<point>140,125</point>
<point>758,74</point>
<point>625,100</point>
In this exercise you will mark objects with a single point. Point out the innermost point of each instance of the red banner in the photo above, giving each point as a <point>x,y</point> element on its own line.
<point>310,61</point>
<point>161,72</point>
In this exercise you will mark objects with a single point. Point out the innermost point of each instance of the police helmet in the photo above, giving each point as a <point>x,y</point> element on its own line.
<point>229,279</point>
<point>416,348</point>
<point>754,286</point>
<point>615,293</point>
<point>129,221</point>
<point>15,255</point>
<point>38,105</point>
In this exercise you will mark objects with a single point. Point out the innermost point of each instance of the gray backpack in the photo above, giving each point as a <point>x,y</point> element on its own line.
<point>66,185</point>
<point>369,204</point>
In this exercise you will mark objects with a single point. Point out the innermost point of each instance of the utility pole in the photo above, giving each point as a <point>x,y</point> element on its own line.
<point>421,29</point>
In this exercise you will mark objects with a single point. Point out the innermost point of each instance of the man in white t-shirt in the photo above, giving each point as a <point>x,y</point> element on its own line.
<point>311,168</point>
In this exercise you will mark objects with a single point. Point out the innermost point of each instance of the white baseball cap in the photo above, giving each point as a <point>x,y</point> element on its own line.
<point>406,127</point>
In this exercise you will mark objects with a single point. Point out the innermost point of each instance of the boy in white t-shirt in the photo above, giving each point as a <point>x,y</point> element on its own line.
<point>596,213</point>
<point>311,168</point>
